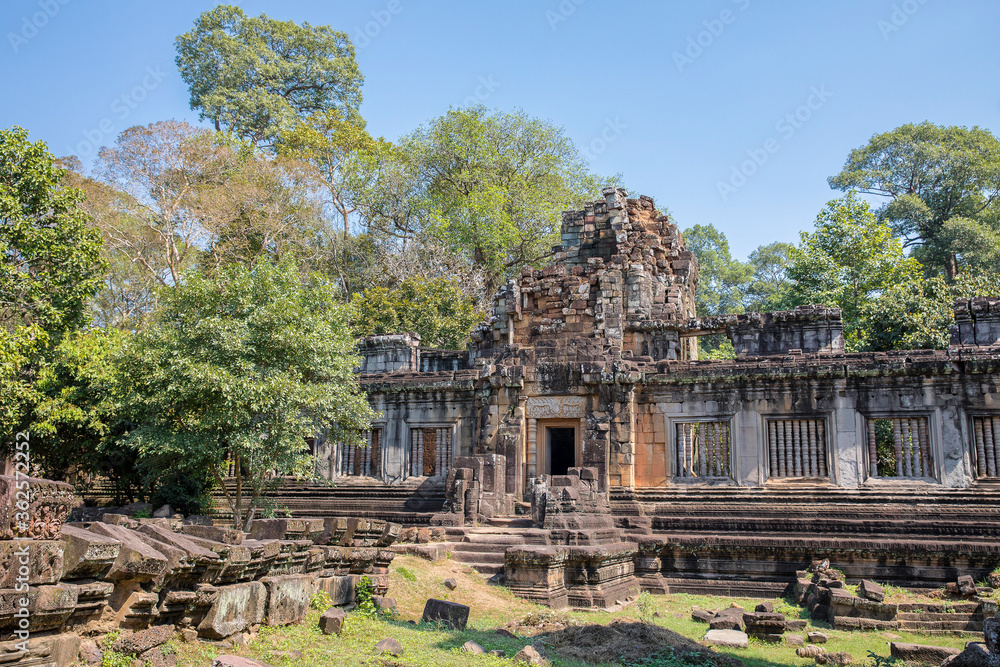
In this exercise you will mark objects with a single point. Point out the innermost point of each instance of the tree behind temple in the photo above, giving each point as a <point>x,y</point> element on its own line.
<point>942,186</point>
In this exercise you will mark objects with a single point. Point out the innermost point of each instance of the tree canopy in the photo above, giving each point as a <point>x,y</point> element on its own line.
<point>847,261</point>
<point>242,367</point>
<point>51,259</point>
<point>254,75</point>
<point>493,186</point>
<point>942,184</point>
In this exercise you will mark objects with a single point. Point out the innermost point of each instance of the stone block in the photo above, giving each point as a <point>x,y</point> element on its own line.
<point>87,554</point>
<point>924,654</point>
<point>237,661</point>
<point>136,561</point>
<point>33,562</point>
<point>288,598</point>
<point>60,650</point>
<point>135,643</point>
<point>339,588</point>
<point>223,534</point>
<point>730,618</point>
<point>332,621</point>
<point>450,614</point>
<point>48,506</point>
<point>726,638</point>
<point>235,608</point>
<point>966,585</point>
<point>871,590</point>
<point>702,615</point>
<point>389,646</point>
<point>531,656</point>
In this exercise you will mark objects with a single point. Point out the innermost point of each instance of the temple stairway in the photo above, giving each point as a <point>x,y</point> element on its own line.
<point>747,538</point>
<point>410,503</point>
<point>482,548</point>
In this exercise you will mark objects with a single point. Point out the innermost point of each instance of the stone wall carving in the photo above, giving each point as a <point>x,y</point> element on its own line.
<point>552,407</point>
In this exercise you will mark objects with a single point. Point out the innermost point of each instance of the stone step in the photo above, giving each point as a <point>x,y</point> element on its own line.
<point>511,522</point>
<point>476,558</point>
<point>493,538</point>
<point>479,548</point>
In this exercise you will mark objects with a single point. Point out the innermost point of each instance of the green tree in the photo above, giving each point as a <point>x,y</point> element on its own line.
<point>51,265</point>
<point>242,367</point>
<point>51,260</point>
<point>848,261</point>
<point>493,186</point>
<point>769,284</point>
<point>255,76</point>
<point>917,314</point>
<point>722,280</point>
<point>942,186</point>
<point>435,308</point>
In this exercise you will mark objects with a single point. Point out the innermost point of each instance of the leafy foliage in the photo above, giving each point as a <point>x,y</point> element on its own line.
<point>848,261</point>
<point>436,309</point>
<point>51,260</point>
<point>493,186</point>
<point>245,365</point>
<point>942,184</point>
<point>364,597</point>
<point>254,76</point>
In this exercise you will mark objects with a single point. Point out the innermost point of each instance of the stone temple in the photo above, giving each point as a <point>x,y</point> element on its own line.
<point>580,406</point>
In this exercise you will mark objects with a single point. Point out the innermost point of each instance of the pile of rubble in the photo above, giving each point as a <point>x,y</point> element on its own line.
<point>158,575</point>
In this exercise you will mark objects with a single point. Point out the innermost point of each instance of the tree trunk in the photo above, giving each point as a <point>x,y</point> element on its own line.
<point>951,266</point>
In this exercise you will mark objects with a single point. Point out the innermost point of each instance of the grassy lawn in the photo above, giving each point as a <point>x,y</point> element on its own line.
<point>414,580</point>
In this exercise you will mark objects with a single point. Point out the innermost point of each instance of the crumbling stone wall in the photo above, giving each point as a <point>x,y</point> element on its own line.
<point>135,574</point>
<point>604,341</point>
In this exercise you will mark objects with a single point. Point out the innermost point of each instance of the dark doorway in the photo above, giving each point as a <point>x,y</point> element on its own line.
<point>562,450</point>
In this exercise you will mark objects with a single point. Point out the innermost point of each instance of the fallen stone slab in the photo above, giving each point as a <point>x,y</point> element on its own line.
<point>840,658</point>
<point>87,554</point>
<point>795,640</point>
<point>966,585</point>
<point>137,560</point>
<point>702,615</point>
<point>288,598</point>
<point>817,637</point>
<point>726,638</point>
<point>450,614</point>
<point>450,584</point>
<point>871,590</point>
<point>236,607</point>
<point>922,653</point>
<point>730,618</point>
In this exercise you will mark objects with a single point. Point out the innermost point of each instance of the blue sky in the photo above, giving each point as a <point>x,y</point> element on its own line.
<point>728,112</point>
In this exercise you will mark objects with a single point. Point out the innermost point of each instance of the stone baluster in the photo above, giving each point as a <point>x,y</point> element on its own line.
<point>897,447</point>
<point>904,426</point>
<point>772,447</point>
<point>925,447</point>
<point>990,441</point>
<point>872,449</point>
<point>821,438</point>
<point>780,426</point>
<point>702,436</point>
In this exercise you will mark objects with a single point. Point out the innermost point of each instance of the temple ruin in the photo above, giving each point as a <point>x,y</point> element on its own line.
<point>581,405</point>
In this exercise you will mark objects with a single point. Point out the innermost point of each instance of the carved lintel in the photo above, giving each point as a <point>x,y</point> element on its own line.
<point>556,407</point>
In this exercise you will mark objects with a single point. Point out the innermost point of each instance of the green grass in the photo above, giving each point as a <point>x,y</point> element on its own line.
<point>414,580</point>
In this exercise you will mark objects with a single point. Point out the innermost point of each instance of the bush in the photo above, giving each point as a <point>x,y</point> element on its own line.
<point>364,597</point>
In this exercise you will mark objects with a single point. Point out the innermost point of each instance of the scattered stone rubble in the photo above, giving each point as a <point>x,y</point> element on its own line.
<point>153,576</point>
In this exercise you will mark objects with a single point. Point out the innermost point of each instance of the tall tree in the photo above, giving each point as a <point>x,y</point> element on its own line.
<point>848,261</point>
<point>255,76</point>
<point>942,186</point>
<point>243,366</point>
<point>722,280</point>
<point>436,309</point>
<point>494,186</point>
<point>50,265</point>
<point>51,262</point>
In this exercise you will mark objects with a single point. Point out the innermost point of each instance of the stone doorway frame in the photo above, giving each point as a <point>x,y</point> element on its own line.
<point>543,458</point>
<point>542,411</point>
